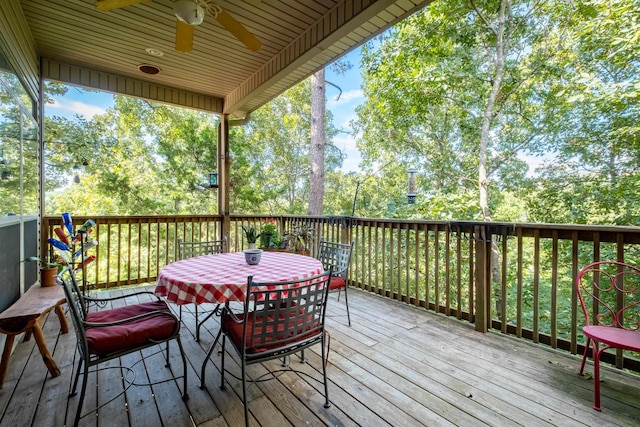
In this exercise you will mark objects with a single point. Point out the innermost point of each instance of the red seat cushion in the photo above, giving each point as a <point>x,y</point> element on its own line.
<point>337,283</point>
<point>113,339</point>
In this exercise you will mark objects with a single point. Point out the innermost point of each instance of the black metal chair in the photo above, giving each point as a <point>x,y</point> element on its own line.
<point>336,257</point>
<point>110,333</point>
<point>279,319</point>
<point>194,249</point>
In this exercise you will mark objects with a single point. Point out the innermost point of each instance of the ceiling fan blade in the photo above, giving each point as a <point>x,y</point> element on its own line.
<point>184,36</point>
<point>238,30</point>
<point>106,5</point>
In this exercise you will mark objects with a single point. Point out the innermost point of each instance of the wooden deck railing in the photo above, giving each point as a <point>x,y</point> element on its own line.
<point>514,278</point>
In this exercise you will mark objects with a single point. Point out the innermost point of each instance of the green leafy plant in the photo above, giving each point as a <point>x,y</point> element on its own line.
<point>268,233</point>
<point>300,238</point>
<point>269,227</point>
<point>277,242</point>
<point>251,234</point>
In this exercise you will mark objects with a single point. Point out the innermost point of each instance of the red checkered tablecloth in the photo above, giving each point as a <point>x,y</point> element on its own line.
<point>219,278</point>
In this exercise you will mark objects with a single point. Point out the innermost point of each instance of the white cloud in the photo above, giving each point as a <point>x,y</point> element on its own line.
<point>346,122</point>
<point>67,107</point>
<point>347,144</point>
<point>345,97</point>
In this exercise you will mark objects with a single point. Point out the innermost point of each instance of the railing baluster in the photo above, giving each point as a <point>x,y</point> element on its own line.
<point>554,289</point>
<point>519,273</point>
<point>416,269</point>
<point>536,286</point>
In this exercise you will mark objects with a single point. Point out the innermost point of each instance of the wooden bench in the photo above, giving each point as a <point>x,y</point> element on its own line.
<point>27,315</point>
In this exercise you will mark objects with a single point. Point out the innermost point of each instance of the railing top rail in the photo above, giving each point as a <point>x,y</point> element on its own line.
<point>513,225</point>
<point>109,217</point>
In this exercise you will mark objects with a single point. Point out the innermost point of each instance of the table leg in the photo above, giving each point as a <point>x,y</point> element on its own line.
<point>64,326</point>
<point>44,351</point>
<point>6,354</point>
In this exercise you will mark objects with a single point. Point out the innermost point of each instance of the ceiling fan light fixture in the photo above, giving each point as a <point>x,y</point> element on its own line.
<point>189,11</point>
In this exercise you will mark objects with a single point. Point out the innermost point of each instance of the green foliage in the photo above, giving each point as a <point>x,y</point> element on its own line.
<point>593,178</point>
<point>271,155</point>
<point>251,234</point>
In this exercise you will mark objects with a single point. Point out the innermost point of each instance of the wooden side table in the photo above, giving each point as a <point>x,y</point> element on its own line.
<point>26,315</point>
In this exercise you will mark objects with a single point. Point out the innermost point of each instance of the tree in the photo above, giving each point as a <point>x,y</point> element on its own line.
<point>455,90</point>
<point>271,155</point>
<point>316,154</point>
<point>594,177</point>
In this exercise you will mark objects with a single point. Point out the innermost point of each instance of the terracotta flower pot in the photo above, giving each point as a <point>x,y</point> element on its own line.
<point>48,276</point>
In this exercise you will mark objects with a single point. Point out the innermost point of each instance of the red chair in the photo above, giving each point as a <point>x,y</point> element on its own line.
<point>336,257</point>
<point>279,319</point>
<point>110,333</point>
<point>609,294</point>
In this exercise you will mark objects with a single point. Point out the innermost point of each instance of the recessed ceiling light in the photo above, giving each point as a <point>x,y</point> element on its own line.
<point>148,69</point>
<point>154,52</point>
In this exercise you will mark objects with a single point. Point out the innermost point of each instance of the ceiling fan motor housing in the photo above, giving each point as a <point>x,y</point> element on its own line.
<point>189,11</point>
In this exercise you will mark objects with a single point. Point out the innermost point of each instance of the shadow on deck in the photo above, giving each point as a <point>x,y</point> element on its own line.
<point>397,365</point>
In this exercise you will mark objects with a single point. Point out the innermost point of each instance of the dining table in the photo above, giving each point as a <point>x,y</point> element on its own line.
<point>223,278</point>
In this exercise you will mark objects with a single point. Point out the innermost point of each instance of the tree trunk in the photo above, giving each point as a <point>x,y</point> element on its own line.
<point>490,111</point>
<point>485,135</point>
<point>316,190</point>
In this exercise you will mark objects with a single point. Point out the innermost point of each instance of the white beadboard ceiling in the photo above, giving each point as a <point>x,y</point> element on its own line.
<point>79,44</point>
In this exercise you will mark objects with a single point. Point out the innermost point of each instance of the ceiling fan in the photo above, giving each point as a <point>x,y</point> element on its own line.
<point>189,14</point>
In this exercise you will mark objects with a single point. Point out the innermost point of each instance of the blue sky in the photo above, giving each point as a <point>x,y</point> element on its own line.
<point>80,102</point>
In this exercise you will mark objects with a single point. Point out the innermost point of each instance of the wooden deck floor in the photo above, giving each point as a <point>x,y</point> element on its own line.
<point>396,365</point>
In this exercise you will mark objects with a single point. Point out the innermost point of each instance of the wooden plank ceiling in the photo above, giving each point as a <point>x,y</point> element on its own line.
<point>79,44</point>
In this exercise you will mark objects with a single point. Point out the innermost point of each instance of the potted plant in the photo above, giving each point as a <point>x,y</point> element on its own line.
<point>268,234</point>
<point>252,236</point>
<point>299,239</point>
<point>48,271</point>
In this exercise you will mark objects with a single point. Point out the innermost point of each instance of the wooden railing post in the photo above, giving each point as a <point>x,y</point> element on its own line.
<point>346,229</point>
<point>482,233</point>
<point>482,279</point>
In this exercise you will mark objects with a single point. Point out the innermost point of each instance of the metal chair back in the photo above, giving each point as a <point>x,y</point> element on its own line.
<point>336,257</point>
<point>193,249</point>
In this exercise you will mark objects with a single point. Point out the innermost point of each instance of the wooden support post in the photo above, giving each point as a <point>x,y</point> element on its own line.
<point>224,167</point>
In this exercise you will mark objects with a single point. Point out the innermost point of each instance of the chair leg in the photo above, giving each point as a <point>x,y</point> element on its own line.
<point>327,403</point>
<point>208,356</point>
<point>83,391</point>
<point>346,301</point>
<point>185,394</point>
<point>244,393</point>
<point>224,341</point>
<point>168,364</point>
<point>584,356</point>
<point>196,306</point>
<point>75,381</point>
<point>596,376</point>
